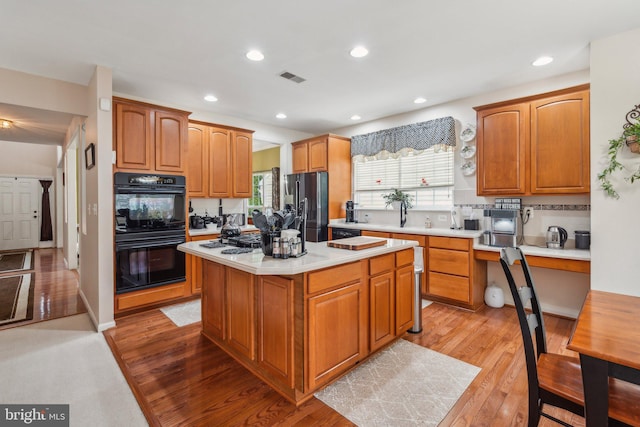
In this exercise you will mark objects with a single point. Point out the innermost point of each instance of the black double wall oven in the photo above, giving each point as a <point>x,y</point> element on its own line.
<point>150,224</point>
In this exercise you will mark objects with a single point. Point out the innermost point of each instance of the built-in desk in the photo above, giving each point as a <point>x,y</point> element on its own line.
<point>575,260</point>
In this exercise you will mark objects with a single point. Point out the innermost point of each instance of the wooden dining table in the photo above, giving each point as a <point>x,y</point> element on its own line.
<point>607,337</point>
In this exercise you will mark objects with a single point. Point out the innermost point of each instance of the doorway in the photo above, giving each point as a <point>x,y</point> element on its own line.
<point>19,213</point>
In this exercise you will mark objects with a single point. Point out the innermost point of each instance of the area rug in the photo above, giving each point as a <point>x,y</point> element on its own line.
<point>15,262</point>
<point>16,298</point>
<point>403,385</point>
<point>183,314</point>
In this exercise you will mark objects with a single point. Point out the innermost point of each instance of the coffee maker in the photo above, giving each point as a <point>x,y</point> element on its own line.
<point>351,212</point>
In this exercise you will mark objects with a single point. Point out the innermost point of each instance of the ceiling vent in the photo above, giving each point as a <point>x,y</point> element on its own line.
<point>290,76</point>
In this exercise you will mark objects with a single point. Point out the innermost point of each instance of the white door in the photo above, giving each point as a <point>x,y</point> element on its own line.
<point>19,213</point>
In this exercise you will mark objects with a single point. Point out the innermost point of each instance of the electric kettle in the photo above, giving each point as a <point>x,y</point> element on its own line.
<point>556,237</point>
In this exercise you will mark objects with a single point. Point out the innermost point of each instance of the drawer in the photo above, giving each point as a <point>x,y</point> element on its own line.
<point>455,243</point>
<point>422,240</point>
<point>447,286</point>
<point>405,257</point>
<point>448,261</point>
<point>381,264</point>
<point>333,277</point>
<point>149,296</point>
<point>375,234</point>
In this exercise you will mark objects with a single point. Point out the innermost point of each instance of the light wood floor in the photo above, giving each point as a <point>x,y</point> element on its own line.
<point>180,378</point>
<point>55,289</point>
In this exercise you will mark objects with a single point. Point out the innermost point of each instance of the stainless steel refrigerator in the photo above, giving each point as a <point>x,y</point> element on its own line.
<point>314,186</point>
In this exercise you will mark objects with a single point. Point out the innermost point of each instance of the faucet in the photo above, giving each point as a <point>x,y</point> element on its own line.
<point>403,213</point>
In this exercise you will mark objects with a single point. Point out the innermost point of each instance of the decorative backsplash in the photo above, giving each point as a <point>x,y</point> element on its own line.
<point>536,207</point>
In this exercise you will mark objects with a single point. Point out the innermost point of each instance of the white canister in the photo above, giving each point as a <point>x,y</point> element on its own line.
<point>493,296</point>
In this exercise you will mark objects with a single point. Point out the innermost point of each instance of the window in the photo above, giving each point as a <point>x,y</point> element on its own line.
<point>427,176</point>
<point>261,198</point>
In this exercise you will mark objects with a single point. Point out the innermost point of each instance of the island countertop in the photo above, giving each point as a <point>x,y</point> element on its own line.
<point>318,256</point>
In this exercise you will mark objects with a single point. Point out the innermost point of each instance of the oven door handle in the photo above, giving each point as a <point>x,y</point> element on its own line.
<point>121,189</point>
<point>141,245</point>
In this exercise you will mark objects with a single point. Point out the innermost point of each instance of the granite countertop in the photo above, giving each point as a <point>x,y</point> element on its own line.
<point>444,232</point>
<point>318,256</point>
<point>575,254</point>
<point>214,231</point>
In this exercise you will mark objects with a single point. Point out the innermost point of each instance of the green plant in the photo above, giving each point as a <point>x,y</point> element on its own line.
<point>398,196</point>
<point>630,133</point>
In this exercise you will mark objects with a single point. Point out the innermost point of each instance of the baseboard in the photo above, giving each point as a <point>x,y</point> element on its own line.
<point>99,326</point>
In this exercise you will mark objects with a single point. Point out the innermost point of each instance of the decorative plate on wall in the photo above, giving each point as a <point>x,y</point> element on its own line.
<point>468,133</point>
<point>468,151</point>
<point>468,168</point>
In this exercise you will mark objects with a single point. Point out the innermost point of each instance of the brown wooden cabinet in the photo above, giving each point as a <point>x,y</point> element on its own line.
<point>149,137</point>
<point>275,327</point>
<point>454,276</point>
<point>327,153</point>
<point>391,285</point>
<point>534,145</point>
<point>241,324</point>
<point>219,161</point>
<point>213,300</point>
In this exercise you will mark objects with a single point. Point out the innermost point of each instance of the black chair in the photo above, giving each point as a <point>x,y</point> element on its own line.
<point>553,379</point>
<point>556,379</point>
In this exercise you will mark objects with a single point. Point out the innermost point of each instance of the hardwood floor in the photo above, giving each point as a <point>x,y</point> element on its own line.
<point>180,378</point>
<point>55,289</point>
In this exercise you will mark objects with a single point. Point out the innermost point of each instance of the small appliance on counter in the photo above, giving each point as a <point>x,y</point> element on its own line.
<point>504,227</point>
<point>230,229</point>
<point>583,239</point>
<point>196,222</point>
<point>556,237</point>
<point>351,212</point>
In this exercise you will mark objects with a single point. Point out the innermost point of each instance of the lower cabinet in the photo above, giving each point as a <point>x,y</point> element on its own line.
<point>391,286</point>
<point>454,275</point>
<point>334,333</point>
<point>275,327</point>
<point>241,323</point>
<point>213,300</point>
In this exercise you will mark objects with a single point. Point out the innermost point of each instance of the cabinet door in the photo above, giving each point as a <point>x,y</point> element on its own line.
<point>375,234</point>
<point>318,150</point>
<point>133,136</point>
<point>170,140</point>
<point>404,299</point>
<point>382,310</point>
<point>197,161</point>
<point>241,317</point>
<point>275,327</point>
<point>241,169</point>
<point>219,163</point>
<point>560,144</point>
<point>300,158</point>
<point>334,330</point>
<point>502,140</point>
<point>213,299</point>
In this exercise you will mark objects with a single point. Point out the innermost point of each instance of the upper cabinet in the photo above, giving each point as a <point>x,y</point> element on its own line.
<point>327,153</point>
<point>535,145</point>
<point>149,138</point>
<point>219,164</point>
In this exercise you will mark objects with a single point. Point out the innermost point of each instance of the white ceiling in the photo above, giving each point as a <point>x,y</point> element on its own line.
<point>178,51</point>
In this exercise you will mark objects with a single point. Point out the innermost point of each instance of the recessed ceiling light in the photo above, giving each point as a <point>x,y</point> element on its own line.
<point>255,55</point>
<point>355,117</point>
<point>419,100</point>
<point>281,116</point>
<point>210,98</point>
<point>359,52</point>
<point>543,60</point>
<point>5,124</point>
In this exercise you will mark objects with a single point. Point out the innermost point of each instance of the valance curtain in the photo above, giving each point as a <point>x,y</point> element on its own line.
<point>399,141</point>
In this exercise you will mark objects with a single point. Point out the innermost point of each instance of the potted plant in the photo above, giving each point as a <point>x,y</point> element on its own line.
<point>395,197</point>
<point>631,138</point>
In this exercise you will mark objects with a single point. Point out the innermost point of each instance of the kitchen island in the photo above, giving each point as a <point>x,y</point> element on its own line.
<point>301,323</point>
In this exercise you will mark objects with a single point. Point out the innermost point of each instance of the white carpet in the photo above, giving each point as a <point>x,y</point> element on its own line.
<point>403,385</point>
<point>183,314</point>
<point>64,361</point>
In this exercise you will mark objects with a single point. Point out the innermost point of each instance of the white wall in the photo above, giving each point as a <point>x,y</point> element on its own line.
<point>615,90</point>
<point>96,238</point>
